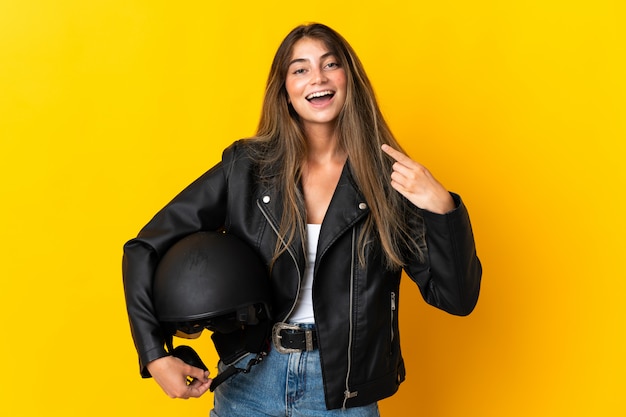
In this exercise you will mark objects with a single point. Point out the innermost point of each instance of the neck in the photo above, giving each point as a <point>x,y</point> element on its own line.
<point>323,144</point>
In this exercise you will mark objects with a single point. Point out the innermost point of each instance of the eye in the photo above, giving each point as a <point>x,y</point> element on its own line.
<point>298,71</point>
<point>333,65</point>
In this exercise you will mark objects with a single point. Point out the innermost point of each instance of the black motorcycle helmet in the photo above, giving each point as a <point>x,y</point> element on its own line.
<point>215,281</point>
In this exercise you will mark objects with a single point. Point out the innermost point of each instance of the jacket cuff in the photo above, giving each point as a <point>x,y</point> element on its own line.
<point>459,209</point>
<point>149,356</point>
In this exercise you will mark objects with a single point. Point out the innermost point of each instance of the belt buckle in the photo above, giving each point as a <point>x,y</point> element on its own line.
<point>276,337</point>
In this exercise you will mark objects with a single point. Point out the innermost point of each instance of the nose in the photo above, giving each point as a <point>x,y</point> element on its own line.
<point>318,77</point>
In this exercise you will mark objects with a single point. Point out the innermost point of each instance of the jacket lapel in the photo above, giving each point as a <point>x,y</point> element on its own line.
<point>346,208</point>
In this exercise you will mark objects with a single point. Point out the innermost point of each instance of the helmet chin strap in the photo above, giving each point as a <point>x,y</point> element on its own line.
<point>232,370</point>
<point>169,343</point>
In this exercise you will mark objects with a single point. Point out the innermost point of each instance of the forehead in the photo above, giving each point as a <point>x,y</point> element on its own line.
<point>309,48</point>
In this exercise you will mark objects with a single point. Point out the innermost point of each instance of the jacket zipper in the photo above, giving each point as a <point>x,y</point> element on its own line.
<point>347,394</point>
<point>293,257</point>
<point>393,312</point>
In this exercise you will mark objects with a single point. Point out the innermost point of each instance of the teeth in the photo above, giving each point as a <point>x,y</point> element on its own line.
<point>319,94</point>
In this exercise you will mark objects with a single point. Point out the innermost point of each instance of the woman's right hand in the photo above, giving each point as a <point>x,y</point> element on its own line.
<point>172,375</point>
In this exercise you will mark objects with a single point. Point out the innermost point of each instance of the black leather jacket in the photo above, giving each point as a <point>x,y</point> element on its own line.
<point>355,306</point>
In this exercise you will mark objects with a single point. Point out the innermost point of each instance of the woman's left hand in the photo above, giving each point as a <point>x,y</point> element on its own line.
<point>417,184</point>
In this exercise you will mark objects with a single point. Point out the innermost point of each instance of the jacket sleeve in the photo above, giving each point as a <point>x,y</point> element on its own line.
<point>200,206</point>
<point>450,276</point>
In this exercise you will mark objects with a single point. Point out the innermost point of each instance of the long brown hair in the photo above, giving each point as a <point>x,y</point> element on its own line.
<point>361,130</point>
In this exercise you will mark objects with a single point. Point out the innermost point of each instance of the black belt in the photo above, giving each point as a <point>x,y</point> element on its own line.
<point>290,338</point>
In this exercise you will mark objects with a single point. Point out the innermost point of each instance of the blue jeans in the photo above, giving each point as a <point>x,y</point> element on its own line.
<point>287,385</point>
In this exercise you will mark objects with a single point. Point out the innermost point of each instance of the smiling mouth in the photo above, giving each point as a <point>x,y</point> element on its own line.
<point>320,96</point>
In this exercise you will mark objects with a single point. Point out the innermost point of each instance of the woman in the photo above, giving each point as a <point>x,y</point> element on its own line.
<point>336,209</point>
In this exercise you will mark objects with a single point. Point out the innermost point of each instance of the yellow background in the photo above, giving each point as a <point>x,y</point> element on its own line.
<point>109,108</point>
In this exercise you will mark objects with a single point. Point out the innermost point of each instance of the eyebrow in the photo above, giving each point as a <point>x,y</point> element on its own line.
<point>299,60</point>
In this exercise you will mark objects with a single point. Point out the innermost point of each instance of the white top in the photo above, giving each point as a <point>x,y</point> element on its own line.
<point>303,312</point>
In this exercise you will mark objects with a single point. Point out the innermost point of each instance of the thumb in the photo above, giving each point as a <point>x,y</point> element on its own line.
<point>197,373</point>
